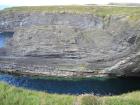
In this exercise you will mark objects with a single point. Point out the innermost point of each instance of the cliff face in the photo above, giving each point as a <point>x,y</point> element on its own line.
<point>82,42</point>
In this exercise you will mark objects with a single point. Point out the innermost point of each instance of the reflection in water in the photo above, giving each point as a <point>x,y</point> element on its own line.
<point>98,86</point>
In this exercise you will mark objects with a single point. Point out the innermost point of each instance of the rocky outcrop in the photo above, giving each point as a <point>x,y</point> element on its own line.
<point>74,42</point>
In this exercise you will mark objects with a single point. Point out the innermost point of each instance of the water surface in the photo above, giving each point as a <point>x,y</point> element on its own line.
<point>97,86</point>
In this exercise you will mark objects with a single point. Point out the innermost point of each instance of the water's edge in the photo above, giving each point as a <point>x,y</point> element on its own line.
<point>58,73</point>
<point>96,85</point>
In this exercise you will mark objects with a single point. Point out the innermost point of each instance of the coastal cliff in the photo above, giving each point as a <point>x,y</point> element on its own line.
<point>74,41</point>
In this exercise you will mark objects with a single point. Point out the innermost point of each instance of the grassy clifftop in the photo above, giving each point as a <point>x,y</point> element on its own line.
<point>133,12</point>
<point>10,95</point>
<point>100,10</point>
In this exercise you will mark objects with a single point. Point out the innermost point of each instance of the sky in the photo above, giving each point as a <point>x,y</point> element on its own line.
<point>60,2</point>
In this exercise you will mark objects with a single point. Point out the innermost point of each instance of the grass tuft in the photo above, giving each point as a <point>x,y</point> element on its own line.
<point>89,100</point>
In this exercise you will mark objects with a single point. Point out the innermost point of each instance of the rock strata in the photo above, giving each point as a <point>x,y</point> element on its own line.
<point>72,42</point>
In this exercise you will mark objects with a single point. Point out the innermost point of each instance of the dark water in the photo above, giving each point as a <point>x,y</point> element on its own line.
<point>97,86</point>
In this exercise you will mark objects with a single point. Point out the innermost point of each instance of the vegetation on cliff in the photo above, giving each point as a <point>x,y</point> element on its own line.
<point>132,12</point>
<point>10,95</point>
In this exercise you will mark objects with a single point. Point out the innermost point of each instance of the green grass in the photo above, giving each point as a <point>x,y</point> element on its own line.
<point>10,95</point>
<point>133,12</point>
<point>132,98</point>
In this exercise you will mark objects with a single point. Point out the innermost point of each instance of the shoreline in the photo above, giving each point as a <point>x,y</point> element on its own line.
<point>60,73</point>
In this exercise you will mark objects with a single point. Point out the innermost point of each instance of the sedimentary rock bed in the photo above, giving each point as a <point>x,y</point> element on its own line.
<point>83,42</point>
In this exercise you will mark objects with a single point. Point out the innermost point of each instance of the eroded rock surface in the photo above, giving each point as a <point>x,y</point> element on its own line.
<point>74,42</point>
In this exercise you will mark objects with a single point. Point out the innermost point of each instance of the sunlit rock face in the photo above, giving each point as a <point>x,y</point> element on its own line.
<point>75,42</point>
